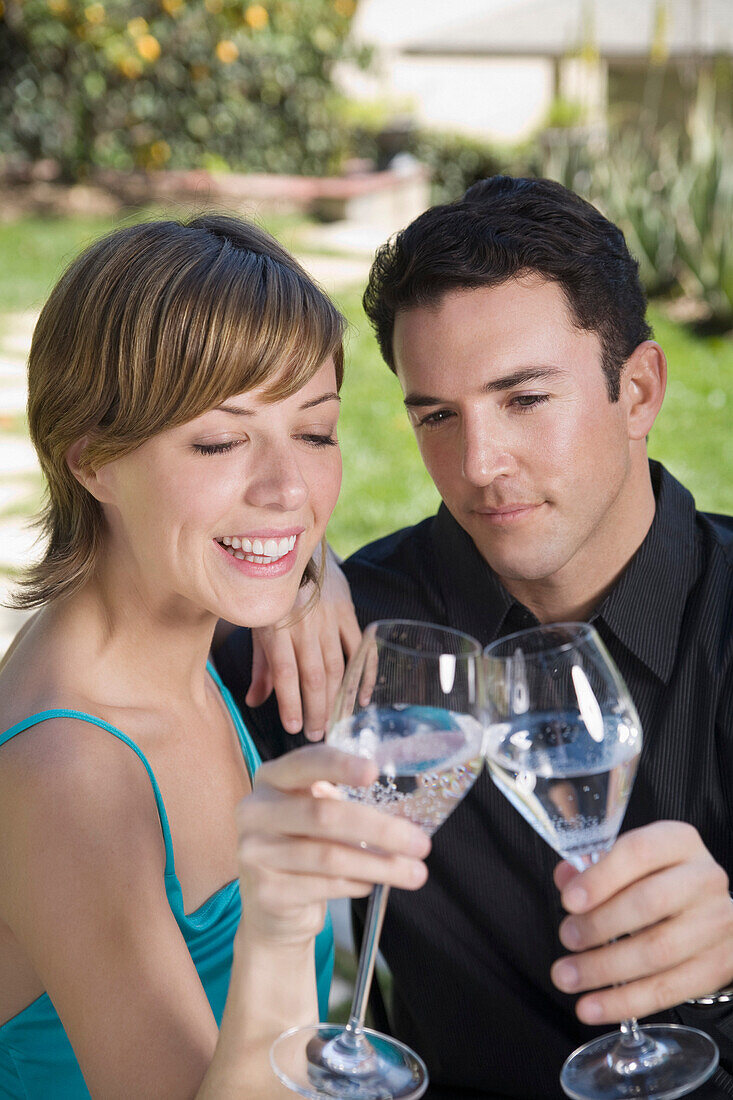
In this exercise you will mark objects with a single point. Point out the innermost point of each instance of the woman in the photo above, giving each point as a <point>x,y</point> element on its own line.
<point>183,385</point>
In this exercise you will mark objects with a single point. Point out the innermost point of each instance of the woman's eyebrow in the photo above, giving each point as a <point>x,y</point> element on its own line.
<point>238,410</point>
<point>320,400</point>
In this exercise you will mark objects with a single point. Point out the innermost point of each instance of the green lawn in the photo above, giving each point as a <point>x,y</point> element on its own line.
<point>384,484</point>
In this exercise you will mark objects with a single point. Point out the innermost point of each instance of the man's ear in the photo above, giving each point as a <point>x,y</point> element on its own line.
<point>643,382</point>
<point>92,480</point>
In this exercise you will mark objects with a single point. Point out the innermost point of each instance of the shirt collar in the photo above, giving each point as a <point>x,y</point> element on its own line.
<point>643,610</point>
<point>475,599</point>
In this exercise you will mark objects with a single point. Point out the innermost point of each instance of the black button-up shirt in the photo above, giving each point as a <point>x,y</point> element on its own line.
<point>470,952</point>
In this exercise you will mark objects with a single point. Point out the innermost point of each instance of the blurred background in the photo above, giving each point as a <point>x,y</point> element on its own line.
<point>334,123</point>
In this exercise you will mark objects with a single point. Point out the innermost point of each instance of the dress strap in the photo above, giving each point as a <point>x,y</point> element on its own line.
<point>44,715</point>
<point>249,751</point>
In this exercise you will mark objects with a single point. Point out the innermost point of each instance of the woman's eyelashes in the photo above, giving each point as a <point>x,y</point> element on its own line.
<point>313,439</point>
<point>215,448</point>
<point>317,440</point>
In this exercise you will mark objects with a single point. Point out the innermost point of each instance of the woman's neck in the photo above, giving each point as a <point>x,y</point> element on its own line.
<point>136,646</point>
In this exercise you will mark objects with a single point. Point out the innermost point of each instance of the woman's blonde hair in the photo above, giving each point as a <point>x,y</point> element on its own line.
<point>150,327</point>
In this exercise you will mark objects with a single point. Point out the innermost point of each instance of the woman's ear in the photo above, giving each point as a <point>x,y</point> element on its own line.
<point>643,382</point>
<point>85,475</point>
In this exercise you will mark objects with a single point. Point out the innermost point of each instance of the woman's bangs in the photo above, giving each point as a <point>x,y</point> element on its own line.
<point>272,337</point>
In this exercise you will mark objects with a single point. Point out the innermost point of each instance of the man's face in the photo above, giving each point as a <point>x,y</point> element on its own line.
<point>510,408</point>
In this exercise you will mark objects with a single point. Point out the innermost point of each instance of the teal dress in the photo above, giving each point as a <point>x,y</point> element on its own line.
<point>36,1058</point>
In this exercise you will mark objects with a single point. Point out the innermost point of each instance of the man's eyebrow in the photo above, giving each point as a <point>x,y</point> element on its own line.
<point>237,410</point>
<point>507,382</point>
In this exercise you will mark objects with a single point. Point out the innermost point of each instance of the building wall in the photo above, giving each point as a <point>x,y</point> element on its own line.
<point>502,99</point>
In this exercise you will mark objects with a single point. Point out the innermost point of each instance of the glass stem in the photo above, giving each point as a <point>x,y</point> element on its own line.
<point>367,959</point>
<point>631,1034</point>
<point>633,1040</point>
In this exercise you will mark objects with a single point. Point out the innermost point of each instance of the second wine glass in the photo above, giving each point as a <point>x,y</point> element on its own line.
<point>411,701</point>
<point>563,745</point>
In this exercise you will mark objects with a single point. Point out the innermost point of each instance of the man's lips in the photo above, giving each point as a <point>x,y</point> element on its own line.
<point>506,514</point>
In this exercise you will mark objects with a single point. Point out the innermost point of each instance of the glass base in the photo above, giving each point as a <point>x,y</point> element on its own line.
<point>673,1061</point>
<point>391,1071</point>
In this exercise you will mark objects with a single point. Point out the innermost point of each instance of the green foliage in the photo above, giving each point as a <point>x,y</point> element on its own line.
<point>175,83</point>
<point>385,484</point>
<point>674,201</point>
<point>702,207</point>
<point>632,185</point>
<point>564,113</point>
<point>455,162</point>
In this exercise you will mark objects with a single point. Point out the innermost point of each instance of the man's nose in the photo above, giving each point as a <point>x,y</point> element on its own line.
<point>278,481</point>
<point>486,455</point>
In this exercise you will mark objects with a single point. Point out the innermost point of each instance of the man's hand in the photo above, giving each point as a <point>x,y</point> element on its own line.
<point>304,660</point>
<point>664,900</point>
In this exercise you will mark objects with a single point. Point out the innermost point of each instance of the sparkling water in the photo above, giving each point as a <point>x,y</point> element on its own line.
<point>428,759</point>
<point>570,785</point>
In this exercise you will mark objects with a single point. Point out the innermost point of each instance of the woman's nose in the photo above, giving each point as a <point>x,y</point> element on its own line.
<point>278,483</point>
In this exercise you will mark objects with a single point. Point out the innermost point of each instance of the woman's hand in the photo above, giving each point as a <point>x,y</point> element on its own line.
<point>301,843</point>
<point>303,658</point>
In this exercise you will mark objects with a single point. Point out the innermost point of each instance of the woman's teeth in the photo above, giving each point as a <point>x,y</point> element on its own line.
<point>263,552</point>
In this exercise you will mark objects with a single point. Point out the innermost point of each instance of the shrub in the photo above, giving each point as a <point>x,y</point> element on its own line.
<point>177,83</point>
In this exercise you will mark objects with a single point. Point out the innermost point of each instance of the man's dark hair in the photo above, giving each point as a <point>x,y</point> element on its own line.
<point>503,228</point>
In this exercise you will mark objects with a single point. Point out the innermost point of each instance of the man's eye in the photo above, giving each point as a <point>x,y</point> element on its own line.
<point>215,448</point>
<point>529,400</point>
<point>435,419</point>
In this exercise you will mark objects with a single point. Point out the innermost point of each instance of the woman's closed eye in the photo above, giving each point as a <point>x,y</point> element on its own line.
<point>215,448</point>
<point>316,439</point>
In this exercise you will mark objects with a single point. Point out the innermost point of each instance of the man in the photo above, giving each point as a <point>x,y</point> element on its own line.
<point>514,320</point>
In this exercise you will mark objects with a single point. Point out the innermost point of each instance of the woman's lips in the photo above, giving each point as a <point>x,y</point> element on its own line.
<point>277,568</point>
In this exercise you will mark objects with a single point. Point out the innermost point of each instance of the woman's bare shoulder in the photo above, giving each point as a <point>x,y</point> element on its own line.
<point>72,796</point>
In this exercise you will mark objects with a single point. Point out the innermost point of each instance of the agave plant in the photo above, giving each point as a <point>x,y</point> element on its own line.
<point>702,209</point>
<point>633,185</point>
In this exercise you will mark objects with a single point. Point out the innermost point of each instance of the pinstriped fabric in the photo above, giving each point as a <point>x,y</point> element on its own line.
<point>470,953</point>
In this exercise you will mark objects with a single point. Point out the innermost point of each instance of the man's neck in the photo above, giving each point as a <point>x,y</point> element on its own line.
<point>573,593</point>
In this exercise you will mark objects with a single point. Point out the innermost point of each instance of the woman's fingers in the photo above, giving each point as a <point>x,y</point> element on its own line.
<point>300,769</point>
<point>319,861</point>
<point>333,820</point>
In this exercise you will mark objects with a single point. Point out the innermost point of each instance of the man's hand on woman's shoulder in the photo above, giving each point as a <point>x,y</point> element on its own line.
<point>303,658</point>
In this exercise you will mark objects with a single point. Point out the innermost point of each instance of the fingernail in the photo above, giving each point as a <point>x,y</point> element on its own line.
<point>566,976</point>
<point>575,897</point>
<point>420,845</point>
<point>418,873</point>
<point>592,1011</point>
<point>570,934</point>
<point>292,725</point>
<point>314,735</point>
<point>360,772</point>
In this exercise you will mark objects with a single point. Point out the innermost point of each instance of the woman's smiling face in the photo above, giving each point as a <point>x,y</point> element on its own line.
<point>223,513</point>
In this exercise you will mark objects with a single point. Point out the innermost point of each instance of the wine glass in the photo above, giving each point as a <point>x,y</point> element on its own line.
<point>563,743</point>
<point>411,700</point>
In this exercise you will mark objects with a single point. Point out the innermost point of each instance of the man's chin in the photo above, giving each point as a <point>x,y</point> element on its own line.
<point>521,566</point>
